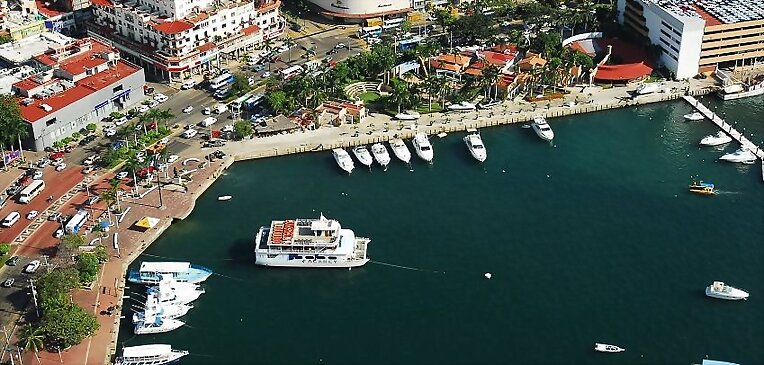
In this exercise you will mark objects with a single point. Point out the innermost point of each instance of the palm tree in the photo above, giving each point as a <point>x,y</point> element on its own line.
<point>163,116</point>
<point>31,339</point>
<point>491,76</point>
<point>132,166</point>
<point>289,42</point>
<point>268,45</point>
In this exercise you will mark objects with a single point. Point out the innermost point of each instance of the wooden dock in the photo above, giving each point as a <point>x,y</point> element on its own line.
<point>727,128</point>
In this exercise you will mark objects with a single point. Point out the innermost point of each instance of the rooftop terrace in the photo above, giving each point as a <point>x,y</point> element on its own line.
<point>716,11</point>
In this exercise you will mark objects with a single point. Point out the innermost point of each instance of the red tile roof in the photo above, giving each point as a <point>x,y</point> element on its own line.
<point>197,18</point>
<point>710,20</point>
<point>206,47</point>
<point>174,27</point>
<point>45,9</point>
<point>27,84</point>
<point>496,58</point>
<point>105,3</point>
<point>623,72</point>
<point>250,29</point>
<point>79,66</point>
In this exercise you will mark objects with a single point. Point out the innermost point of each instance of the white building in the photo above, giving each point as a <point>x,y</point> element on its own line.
<point>177,38</point>
<point>697,35</point>
<point>357,10</point>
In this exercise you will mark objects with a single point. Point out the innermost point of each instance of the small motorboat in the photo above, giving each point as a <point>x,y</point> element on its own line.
<point>647,88</point>
<point>542,128</point>
<point>363,155</point>
<point>343,159</point>
<point>488,103</point>
<point>720,290</point>
<point>223,198</point>
<point>694,116</point>
<point>442,135</point>
<point>380,154</point>
<point>743,155</point>
<point>423,147</point>
<point>408,115</point>
<point>603,347</point>
<point>475,146</point>
<point>717,139</point>
<point>703,188</point>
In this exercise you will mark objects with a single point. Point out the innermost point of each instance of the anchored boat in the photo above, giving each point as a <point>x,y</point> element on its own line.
<point>742,155</point>
<point>542,128</point>
<point>423,147</point>
<point>720,290</point>
<point>343,160</point>
<point>400,150</point>
<point>717,139</point>
<point>603,347</point>
<point>694,116</point>
<point>475,146</point>
<point>151,273</point>
<point>703,188</point>
<point>363,155</point>
<point>158,354</point>
<point>380,154</point>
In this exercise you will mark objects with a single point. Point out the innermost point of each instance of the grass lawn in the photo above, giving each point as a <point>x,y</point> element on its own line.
<point>424,109</point>
<point>369,97</point>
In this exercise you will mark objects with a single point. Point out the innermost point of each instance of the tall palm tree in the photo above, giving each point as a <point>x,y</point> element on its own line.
<point>114,189</point>
<point>289,42</point>
<point>491,76</point>
<point>164,115</point>
<point>268,45</point>
<point>31,339</point>
<point>132,166</point>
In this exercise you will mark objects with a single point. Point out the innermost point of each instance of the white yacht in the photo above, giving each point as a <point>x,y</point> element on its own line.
<point>170,291</point>
<point>647,88</point>
<point>343,159</point>
<point>603,347</point>
<point>694,116</point>
<point>155,324</point>
<point>542,129</point>
<point>321,243</point>
<point>475,146</point>
<point>739,90</point>
<point>743,155</point>
<point>150,273</point>
<point>158,354</point>
<point>363,155</point>
<point>461,107</point>
<point>720,290</point>
<point>717,139</point>
<point>408,115</point>
<point>422,147</point>
<point>400,150</point>
<point>380,154</point>
<point>154,308</point>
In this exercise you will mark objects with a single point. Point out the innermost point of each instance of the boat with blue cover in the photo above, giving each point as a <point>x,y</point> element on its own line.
<point>704,188</point>
<point>150,273</point>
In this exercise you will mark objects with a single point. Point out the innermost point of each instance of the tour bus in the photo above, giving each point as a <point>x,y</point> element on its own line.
<point>392,23</point>
<point>79,219</point>
<point>31,191</point>
<point>221,81</point>
<point>370,32</point>
<point>291,72</point>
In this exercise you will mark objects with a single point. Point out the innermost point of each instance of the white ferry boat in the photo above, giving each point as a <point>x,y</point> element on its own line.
<point>720,290</point>
<point>154,307</point>
<point>150,273</point>
<point>318,242</point>
<point>380,154</point>
<point>423,147</point>
<point>343,159</point>
<point>400,150</point>
<point>717,139</point>
<point>158,354</point>
<point>363,155</point>
<point>475,146</point>
<point>542,128</point>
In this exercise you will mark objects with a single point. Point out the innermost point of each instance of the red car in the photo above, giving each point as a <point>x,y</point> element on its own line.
<point>56,155</point>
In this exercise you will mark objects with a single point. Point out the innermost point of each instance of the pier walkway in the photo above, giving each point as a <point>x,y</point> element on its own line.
<point>726,127</point>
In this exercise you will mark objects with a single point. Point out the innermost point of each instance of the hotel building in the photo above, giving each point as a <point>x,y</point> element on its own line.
<point>697,36</point>
<point>174,39</point>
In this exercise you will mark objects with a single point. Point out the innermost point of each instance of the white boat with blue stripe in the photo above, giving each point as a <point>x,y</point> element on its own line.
<point>151,273</point>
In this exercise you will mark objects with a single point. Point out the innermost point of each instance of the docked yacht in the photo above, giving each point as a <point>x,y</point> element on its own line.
<point>170,291</point>
<point>462,107</point>
<point>150,273</point>
<point>743,155</point>
<point>408,115</point>
<point>163,311</point>
<point>720,290</point>
<point>363,155</point>
<point>343,159</point>
<point>739,90</point>
<point>475,146</point>
<point>542,129</point>
<point>422,147</point>
<point>155,324</point>
<point>647,88</point>
<point>717,139</point>
<point>694,116</point>
<point>400,150</point>
<point>380,154</point>
<point>603,347</point>
<point>314,243</point>
<point>158,354</point>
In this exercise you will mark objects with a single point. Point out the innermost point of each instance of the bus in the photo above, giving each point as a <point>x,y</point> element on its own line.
<point>221,81</point>
<point>31,191</point>
<point>291,72</point>
<point>366,32</point>
<point>393,23</point>
<point>79,219</point>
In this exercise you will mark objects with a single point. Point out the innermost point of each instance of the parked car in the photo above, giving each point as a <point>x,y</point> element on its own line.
<point>189,133</point>
<point>172,158</point>
<point>206,111</point>
<point>109,132</point>
<point>120,121</point>
<point>8,282</point>
<point>13,190</point>
<point>143,108</point>
<point>32,267</point>
<point>32,214</point>
<point>87,169</point>
<point>43,162</point>
<point>13,261</point>
<point>161,98</point>
<point>37,175</point>
<point>266,75</point>
<point>92,200</point>
<point>60,167</point>
<point>55,216</point>
<point>188,109</point>
<point>340,45</point>
<point>208,121</point>
<point>188,84</point>
<point>58,233</point>
<point>121,175</point>
<point>153,104</point>
<point>90,160</point>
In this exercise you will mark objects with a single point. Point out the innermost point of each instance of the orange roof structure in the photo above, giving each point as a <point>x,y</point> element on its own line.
<point>531,61</point>
<point>174,27</point>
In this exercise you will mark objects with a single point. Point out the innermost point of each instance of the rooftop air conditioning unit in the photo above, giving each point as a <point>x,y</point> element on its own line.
<point>27,101</point>
<point>46,107</point>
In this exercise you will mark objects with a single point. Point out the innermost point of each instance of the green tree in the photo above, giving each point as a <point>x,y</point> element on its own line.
<point>5,248</point>
<point>491,75</point>
<point>12,126</point>
<point>242,129</point>
<point>87,266</point>
<point>69,325</point>
<point>53,288</point>
<point>5,39</point>
<point>101,254</point>
<point>277,100</point>
<point>31,339</point>
<point>240,84</point>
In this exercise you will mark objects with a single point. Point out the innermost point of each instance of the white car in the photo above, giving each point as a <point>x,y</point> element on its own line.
<point>120,121</point>
<point>32,214</point>
<point>266,75</point>
<point>37,175</point>
<point>228,128</point>
<point>206,111</point>
<point>153,104</point>
<point>121,175</point>
<point>61,166</point>
<point>188,109</point>
<point>172,158</point>
<point>188,84</point>
<point>159,97</point>
<point>109,132</point>
<point>189,133</point>
<point>32,267</point>
<point>143,108</point>
<point>340,45</point>
<point>208,121</point>
<point>90,160</point>
<point>59,233</point>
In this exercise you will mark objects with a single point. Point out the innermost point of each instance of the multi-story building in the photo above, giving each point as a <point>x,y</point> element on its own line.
<point>697,36</point>
<point>357,10</point>
<point>174,39</point>
<point>83,81</point>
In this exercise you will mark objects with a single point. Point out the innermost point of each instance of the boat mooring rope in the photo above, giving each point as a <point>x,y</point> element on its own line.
<point>406,267</point>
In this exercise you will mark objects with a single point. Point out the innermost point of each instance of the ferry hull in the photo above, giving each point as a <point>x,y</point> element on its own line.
<point>262,259</point>
<point>742,94</point>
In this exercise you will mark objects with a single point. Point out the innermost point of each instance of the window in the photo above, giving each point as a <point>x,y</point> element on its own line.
<point>50,122</point>
<point>117,88</point>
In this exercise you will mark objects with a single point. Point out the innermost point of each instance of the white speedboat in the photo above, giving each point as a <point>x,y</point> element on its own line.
<point>343,159</point>
<point>488,103</point>
<point>603,347</point>
<point>694,116</point>
<point>717,139</point>
<point>158,354</point>
<point>155,324</point>
<point>648,88</point>
<point>164,311</point>
<point>170,291</point>
<point>363,155</point>
<point>400,150</point>
<point>423,147</point>
<point>408,115</point>
<point>316,243</point>
<point>720,290</point>
<point>150,273</point>
<point>475,146</point>
<point>542,129</point>
<point>224,198</point>
<point>743,155</point>
<point>463,106</point>
<point>380,154</point>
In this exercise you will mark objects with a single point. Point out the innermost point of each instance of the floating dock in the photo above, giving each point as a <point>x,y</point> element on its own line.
<point>726,127</point>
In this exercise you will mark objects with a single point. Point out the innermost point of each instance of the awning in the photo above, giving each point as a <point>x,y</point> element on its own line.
<point>147,222</point>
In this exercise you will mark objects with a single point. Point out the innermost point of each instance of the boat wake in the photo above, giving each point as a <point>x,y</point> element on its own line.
<point>406,267</point>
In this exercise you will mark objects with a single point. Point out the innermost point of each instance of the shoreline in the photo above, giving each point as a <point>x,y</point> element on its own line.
<point>243,151</point>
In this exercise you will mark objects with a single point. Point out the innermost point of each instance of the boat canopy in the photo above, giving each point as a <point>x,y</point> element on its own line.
<point>717,362</point>
<point>324,224</point>
<point>165,267</point>
<point>146,350</point>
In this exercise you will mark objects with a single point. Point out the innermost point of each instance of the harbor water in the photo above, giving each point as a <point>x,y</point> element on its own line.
<point>594,238</point>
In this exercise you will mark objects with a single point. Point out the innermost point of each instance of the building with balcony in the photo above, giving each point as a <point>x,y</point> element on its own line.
<point>175,39</point>
<point>354,11</point>
<point>697,36</point>
<point>82,81</point>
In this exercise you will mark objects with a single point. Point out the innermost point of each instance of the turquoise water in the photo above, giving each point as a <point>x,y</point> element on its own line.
<point>592,239</point>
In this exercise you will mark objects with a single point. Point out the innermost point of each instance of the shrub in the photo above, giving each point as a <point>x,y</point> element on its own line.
<point>67,140</point>
<point>5,248</point>
<point>87,265</point>
<point>76,135</point>
<point>91,127</point>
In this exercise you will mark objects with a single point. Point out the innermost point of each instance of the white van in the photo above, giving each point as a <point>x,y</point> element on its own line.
<point>188,84</point>
<point>189,133</point>
<point>220,109</point>
<point>208,121</point>
<point>11,219</point>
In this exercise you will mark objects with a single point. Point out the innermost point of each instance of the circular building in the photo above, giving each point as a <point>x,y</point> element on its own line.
<point>355,11</point>
<point>617,60</point>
